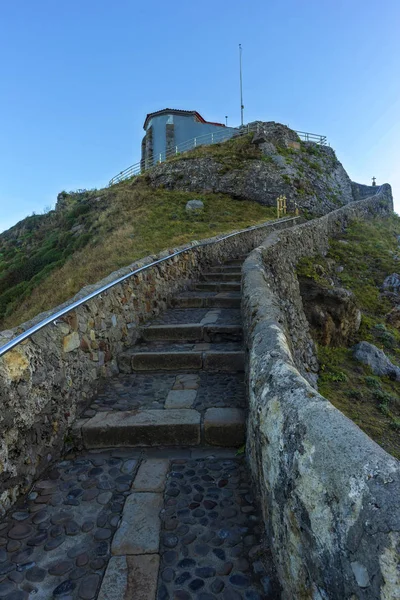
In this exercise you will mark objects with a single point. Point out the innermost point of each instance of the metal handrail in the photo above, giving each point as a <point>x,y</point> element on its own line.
<point>64,311</point>
<point>201,140</point>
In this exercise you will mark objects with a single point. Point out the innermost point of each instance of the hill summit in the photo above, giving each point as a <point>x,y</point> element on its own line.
<point>46,259</point>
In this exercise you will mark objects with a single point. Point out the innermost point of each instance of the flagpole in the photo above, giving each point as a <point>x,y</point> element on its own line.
<point>241,84</point>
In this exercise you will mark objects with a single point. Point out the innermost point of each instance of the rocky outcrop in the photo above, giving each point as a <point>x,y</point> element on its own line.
<point>276,163</point>
<point>331,495</point>
<point>375,358</point>
<point>332,313</point>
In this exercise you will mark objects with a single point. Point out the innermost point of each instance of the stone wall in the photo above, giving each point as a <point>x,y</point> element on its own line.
<point>330,495</point>
<point>46,381</point>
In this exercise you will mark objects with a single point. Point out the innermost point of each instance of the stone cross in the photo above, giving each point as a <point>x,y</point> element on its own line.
<point>374,181</point>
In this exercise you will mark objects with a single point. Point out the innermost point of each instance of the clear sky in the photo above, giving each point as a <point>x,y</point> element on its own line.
<point>77,78</point>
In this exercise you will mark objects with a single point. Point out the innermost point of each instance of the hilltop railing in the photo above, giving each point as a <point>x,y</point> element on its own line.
<point>203,140</point>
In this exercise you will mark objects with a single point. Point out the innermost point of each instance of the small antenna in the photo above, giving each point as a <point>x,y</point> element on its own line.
<point>241,84</point>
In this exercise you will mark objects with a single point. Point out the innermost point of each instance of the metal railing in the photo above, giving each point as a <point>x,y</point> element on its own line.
<point>64,311</point>
<point>215,137</point>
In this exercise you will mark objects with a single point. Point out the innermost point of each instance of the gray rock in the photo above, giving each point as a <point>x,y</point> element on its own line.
<point>194,205</point>
<point>309,174</point>
<point>392,283</point>
<point>370,355</point>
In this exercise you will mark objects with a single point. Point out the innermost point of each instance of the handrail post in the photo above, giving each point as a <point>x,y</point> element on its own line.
<point>195,142</point>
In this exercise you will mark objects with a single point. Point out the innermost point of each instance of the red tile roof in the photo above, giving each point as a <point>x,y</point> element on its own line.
<point>175,111</point>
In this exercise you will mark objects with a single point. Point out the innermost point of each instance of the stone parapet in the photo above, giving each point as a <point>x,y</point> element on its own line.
<point>330,495</point>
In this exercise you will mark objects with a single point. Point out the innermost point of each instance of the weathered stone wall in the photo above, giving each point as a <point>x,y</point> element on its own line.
<point>330,495</point>
<point>46,381</point>
<point>361,191</point>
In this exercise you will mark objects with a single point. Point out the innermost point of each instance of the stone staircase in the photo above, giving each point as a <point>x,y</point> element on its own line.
<point>183,382</point>
<point>156,504</point>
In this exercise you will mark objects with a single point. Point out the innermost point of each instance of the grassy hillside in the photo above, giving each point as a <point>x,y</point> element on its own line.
<point>46,259</point>
<point>368,252</point>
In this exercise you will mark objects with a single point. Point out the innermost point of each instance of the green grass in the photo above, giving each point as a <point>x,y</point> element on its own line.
<point>367,251</point>
<point>46,263</point>
<point>372,402</point>
<point>231,155</point>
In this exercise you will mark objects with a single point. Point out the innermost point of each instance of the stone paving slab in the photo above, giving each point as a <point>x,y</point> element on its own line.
<point>151,475</point>
<point>130,578</point>
<point>180,399</point>
<point>139,529</point>
<point>142,428</point>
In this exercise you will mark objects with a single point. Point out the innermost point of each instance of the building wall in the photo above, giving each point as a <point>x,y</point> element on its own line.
<point>185,129</point>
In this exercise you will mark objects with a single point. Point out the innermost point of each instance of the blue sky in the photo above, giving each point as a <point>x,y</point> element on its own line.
<point>77,78</point>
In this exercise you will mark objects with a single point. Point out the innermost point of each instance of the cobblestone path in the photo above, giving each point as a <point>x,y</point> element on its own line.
<point>150,506</point>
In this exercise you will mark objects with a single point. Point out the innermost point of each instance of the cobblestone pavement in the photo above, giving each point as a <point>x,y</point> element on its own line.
<point>181,524</point>
<point>178,316</point>
<point>150,391</point>
<point>211,535</point>
<point>56,541</point>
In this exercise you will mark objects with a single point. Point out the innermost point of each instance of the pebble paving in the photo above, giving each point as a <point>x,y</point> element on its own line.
<point>150,390</point>
<point>55,543</point>
<point>179,316</point>
<point>212,534</point>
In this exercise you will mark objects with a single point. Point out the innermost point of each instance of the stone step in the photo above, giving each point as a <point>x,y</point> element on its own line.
<point>174,427</point>
<point>224,268</point>
<point>168,427</point>
<point>165,359</point>
<point>235,261</point>
<point>198,299</point>
<point>212,276</point>
<point>218,286</point>
<point>193,331</point>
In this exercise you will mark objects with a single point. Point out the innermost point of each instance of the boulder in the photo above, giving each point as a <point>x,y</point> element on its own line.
<point>393,317</point>
<point>392,283</point>
<point>332,313</point>
<point>194,206</point>
<point>370,355</point>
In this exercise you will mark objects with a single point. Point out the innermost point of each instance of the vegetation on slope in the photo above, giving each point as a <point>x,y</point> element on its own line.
<point>46,259</point>
<point>368,252</point>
